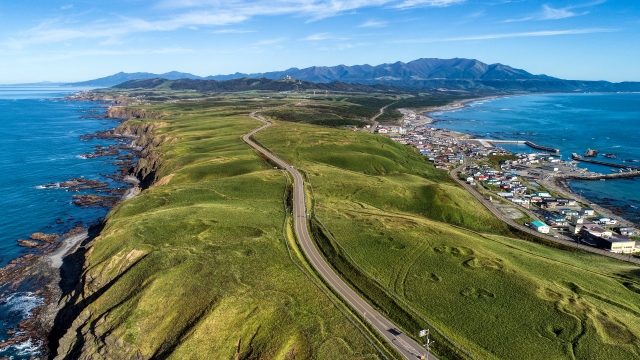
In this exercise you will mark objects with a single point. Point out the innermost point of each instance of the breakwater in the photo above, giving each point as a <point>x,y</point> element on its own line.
<point>600,176</point>
<point>540,147</point>
<point>577,157</point>
<point>528,143</point>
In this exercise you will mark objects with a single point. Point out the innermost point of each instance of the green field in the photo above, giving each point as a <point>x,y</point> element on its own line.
<point>196,267</point>
<point>391,214</point>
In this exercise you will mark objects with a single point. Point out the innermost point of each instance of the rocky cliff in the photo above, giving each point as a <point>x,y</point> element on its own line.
<point>146,141</point>
<point>119,112</point>
<point>77,334</point>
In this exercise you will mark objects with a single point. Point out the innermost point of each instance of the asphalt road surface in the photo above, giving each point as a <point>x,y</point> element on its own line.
<point>408,347</point>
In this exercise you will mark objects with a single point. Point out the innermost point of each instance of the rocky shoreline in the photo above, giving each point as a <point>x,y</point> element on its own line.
<point>50,272</point>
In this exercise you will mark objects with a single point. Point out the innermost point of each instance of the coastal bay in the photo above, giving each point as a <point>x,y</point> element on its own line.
<point>55,185</point>
<point>571,123</point>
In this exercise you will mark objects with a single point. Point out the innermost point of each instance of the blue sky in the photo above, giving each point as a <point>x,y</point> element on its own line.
<point>79,40</point>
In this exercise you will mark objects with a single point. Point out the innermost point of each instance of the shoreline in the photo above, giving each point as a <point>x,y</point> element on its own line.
<point>560,185</point>
<point>462,104</point>
<point>50,271</point>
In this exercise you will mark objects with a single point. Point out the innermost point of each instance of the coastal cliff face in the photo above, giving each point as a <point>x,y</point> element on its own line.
<point>147,142</point>
<point>88,337</point>
<point>119,112</point>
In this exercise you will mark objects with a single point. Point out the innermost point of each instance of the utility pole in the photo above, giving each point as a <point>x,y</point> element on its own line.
<point>427,344</point>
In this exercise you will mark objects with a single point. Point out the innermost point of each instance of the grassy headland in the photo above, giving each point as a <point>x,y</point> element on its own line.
<point>196,267</point>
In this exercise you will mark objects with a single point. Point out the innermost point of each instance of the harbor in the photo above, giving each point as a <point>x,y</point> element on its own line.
<point>528,143</point>
<point>577,157</point>
<point>596,176</point>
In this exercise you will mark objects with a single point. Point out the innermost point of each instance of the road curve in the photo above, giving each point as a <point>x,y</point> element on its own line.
<point>408,347</point>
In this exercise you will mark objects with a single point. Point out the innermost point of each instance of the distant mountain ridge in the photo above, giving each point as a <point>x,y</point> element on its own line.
<point>247,84</point>
<point>121,77</point>
<point>427,74</point>
<point>421,69</point>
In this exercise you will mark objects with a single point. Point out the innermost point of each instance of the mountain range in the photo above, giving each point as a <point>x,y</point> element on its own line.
<point>427,74</point>
<point>247,84</point>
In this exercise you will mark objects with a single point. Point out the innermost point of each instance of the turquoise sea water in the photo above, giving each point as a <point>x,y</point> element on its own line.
<point>609,123</point>
<point>40,145</point>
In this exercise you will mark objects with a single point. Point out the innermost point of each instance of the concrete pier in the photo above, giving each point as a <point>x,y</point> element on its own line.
<point>528,143</point>
<point>623,175</point>
<point>577,157</point>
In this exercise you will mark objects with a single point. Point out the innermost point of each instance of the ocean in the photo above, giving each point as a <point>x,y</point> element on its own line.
<point>609,123</point>
<point>40,146</point>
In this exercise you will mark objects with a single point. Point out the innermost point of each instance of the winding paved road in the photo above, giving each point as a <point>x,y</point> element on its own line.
<point>408,347</point>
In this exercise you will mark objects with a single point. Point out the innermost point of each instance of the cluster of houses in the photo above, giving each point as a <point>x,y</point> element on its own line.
<point>561,213</point>
<point>441,148</point>
<point>593,232</point>
<point>535,159</point>
<point>446,151</point>
<point>619,241</point>
<point>391,130</point>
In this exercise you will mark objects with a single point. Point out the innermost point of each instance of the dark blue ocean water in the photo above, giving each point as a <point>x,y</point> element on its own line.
<point>39,145</point>
<point>609,123</point>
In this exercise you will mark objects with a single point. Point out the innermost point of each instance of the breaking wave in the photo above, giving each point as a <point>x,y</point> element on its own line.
<point>26,348</point>
<point>21,304</point>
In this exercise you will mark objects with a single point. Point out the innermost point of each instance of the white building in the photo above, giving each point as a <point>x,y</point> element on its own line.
<point>541,227</point>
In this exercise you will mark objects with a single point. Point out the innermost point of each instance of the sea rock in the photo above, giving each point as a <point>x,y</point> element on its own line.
<point>44,237</point>
<point>77,184</point>
<point>91,200</point>
<point>29,243</point>
<point>100,151</point>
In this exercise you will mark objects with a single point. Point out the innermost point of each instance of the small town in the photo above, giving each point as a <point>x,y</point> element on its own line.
<point>512,183</point>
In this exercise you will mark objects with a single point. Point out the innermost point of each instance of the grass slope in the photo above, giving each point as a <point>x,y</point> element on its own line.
<point>197,268</point>
<point>336,110</point>
<point>497,297</point>
<point>373,169</point>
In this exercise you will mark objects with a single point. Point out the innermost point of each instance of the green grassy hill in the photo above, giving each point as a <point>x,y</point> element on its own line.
<point>196,267</point>
<point>436,254</point>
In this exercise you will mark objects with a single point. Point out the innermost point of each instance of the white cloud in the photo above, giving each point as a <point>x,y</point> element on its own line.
<point>373,23</point>
<point>513,35</point>
<point>317,37</point>
<point>526,18</point>
<point>315,9</point>
<point>51,31</point>
<point>550,13</point>
<point>426,3</point>
<point>194,14</point>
